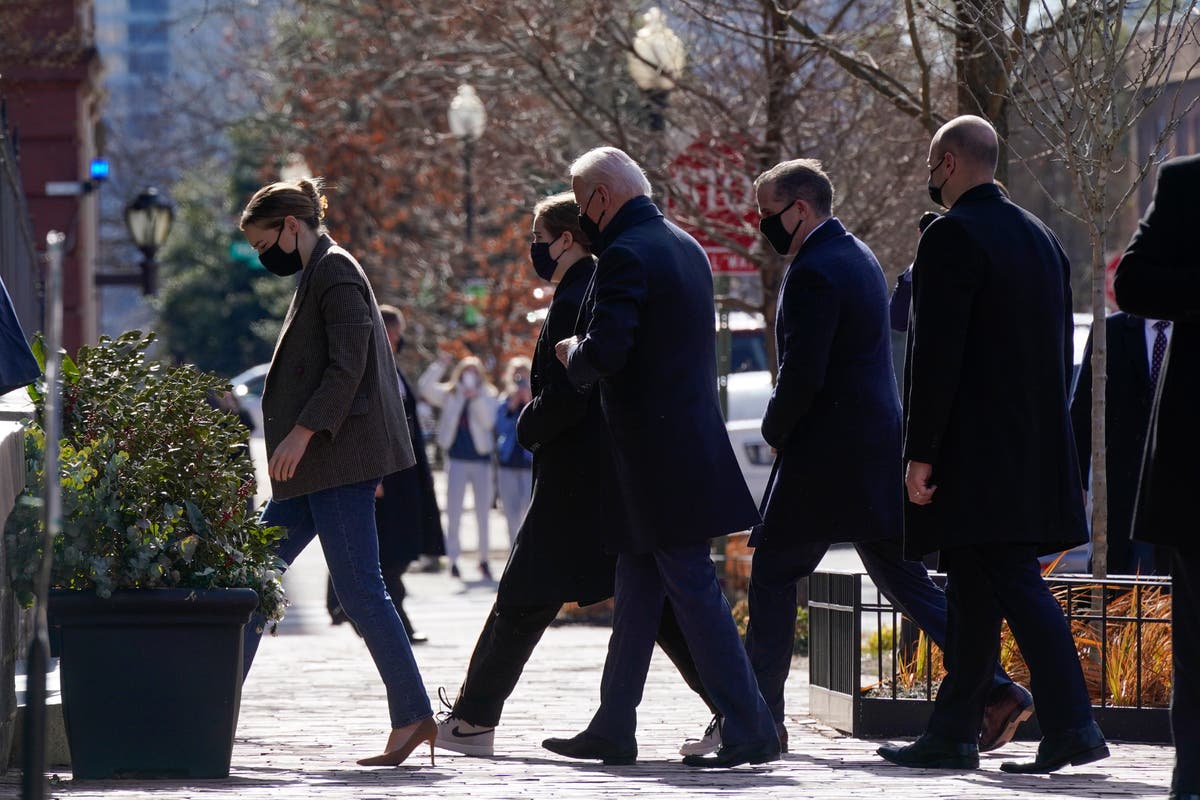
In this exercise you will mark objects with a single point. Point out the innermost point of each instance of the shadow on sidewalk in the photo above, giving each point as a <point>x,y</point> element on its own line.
<point>259,778</point>
<point>672,773</point>
<point>1066,784</point>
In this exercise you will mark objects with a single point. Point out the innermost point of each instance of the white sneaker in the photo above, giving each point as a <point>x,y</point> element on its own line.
<point>709,743</point>
<point>459,736</point>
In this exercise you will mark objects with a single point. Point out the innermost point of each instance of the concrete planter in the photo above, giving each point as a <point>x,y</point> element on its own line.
<point>151,680</point>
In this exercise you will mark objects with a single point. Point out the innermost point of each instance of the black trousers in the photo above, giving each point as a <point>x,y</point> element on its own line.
<point>986,584</point>
<point>507,641</point>
<point>1185,686</point>
<point>774,576</point>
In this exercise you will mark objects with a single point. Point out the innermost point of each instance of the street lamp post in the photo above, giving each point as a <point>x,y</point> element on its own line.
<point>467,122</point>
<point>149,218</point>
<point>655,61</point>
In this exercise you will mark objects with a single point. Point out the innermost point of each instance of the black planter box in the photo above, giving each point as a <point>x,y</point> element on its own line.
<point>151,680</point>
<point>836,611</point>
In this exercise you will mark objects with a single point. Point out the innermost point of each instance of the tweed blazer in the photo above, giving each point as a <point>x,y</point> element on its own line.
<point>333,372</point>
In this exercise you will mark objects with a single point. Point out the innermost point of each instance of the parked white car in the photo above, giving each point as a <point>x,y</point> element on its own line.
<point>748,396</point>
<point>248,389</point>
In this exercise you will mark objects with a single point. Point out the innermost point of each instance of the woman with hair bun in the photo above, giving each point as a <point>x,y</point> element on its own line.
<point>334,425</point>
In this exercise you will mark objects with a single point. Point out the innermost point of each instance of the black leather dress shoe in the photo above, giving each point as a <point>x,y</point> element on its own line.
<point>1077,746</point>
<point>590,746</point>
<point>1007,708</point>
<point>752,753</point>
<point>783,737</point>
<point>1184,796</point>
<point>933,752</point>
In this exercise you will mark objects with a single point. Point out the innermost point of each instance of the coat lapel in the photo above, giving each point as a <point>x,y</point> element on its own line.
<point>1137,340</point>
<point>319,251</point>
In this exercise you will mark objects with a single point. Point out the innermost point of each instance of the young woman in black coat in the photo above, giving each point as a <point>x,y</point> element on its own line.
<point>559,555</point>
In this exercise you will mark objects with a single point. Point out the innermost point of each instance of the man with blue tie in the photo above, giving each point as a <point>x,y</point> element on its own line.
<point>649,345</point>
<point>1136,348</point>
<point>1159,277</point>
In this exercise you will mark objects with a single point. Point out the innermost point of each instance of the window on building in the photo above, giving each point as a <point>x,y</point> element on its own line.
<point>147,33</point>
<point>148,6</point>
<point>152,62</point>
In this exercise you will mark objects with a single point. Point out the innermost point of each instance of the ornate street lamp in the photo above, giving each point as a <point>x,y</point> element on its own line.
<point>467,122</point>
<point>656,60</point>
<point>149,218</point>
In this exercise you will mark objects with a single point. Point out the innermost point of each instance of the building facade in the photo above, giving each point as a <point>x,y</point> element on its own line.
<point>54,102</point>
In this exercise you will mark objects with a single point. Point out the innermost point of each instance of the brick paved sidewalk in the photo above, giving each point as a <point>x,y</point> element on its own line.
<point>314,703</point>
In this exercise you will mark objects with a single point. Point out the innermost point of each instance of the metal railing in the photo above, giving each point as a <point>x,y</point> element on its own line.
<point>1121,628</point>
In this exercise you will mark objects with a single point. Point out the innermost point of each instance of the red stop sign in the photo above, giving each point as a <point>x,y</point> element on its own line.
<point>713,200</point>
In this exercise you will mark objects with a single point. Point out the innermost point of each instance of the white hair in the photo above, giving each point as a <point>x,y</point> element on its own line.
<point>612,168</point>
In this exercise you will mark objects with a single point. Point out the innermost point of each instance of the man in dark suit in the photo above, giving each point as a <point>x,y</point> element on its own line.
<point>834,418</point>
<point>992,477</point>
<point>650,347</point>
<point>1136,347</point>
<point>1159,277</point>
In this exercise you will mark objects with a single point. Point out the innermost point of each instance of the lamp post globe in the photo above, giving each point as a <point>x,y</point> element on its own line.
<point>149,217</point>
<point>468,119</point>
<point>656,60</point>
<point>294,168</point>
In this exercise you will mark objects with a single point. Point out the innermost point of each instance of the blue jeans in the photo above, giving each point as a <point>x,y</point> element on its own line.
<point>344,519</point>
<point>685,575</point>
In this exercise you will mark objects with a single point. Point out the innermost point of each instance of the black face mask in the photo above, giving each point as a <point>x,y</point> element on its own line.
<point>543,263</point>
<point>780,237</point>
<point>591,229</point>
<point>279,262</point>
<point>935,192</point>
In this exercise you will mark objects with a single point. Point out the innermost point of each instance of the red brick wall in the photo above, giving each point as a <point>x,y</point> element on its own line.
<point>54,107</point>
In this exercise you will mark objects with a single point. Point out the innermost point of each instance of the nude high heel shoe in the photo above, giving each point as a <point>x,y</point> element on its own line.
<point>426,731</point>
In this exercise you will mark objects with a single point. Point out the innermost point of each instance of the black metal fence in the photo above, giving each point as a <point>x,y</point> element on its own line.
<point>18,253</point>
<point>881,684</point>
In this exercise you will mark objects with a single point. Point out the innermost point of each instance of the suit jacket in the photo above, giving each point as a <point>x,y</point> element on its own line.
<point>834,415</point>
<point>1127,413</point>
<point>650,344</point>
<point>1159,277</point>
<point>333,372</point>
<point>989,377</point>
<point>561,551</point>
<point>407,516</point>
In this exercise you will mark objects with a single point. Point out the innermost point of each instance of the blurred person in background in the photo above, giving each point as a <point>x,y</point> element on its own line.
<point>406,508</point>
<point>514,463</point>
<point>465,432</point>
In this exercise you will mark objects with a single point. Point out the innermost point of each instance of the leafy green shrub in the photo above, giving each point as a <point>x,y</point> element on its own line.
<point>157,484</point>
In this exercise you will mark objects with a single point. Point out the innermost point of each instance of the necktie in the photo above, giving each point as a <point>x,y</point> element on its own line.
<point>1159,350</point>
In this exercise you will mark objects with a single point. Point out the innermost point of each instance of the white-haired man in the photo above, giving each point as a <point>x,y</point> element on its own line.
<point>650,347</point>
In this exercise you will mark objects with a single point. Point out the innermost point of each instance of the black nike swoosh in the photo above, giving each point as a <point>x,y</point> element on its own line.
<point>455,732</point>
